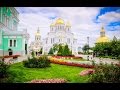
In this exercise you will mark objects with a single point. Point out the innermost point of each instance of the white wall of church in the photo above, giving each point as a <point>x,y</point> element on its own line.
<point>60,33</point>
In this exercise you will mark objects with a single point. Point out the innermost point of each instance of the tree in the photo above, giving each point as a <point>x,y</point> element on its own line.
<point>66,51</point>
<point>85,48</point>
<point>55,47</point>
<point>40,51</point>
<point>60,50</point>
<point>51,51</point>
<point>111,48</point>
<point>33,54</point>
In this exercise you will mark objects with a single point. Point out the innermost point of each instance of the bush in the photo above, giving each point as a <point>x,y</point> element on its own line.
<point>5,74</point>
<point>106,74</point>
<point>40,62</point>
<point>3,69</point>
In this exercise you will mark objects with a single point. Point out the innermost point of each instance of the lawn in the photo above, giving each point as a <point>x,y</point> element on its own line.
<point>70,73</point>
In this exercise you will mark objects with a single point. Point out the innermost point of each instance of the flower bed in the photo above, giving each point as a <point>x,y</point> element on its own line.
<point>68,57</point>
<point>14,56</point>
<point>49,81</point>
<point>87,72</point>
<point>70,63</point>
<point>118,64</point>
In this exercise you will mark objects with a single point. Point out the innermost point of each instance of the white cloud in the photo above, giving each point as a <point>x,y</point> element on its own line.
<point>109,17</point>
<point>81,19</point>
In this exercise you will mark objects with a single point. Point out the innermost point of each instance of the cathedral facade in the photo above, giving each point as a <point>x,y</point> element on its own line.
<point>36,45</point>
<point>60,33</point>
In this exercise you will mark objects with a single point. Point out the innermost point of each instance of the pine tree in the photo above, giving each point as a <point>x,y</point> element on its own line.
<point>60,50</point>
<point>66,50</point>
<point>51,51</point>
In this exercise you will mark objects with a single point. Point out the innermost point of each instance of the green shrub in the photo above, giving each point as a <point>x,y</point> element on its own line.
<point>106,74</point>
<point>40,62</point>
<point>3,69</point>
<point>51,51</point>
<point>33,54</point>
<point>6,76</point>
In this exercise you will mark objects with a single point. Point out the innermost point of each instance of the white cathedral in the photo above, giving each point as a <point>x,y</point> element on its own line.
<point>36,45</point>
<point>60,33</point>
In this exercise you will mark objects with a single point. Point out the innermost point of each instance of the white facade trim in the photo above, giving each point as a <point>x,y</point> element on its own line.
<point>19,37</point>
<point>5,36</point>
<point>12,36</point>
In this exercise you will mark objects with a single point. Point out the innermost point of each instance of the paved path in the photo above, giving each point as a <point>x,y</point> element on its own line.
<point>98,60</point>
<point>20,59</point>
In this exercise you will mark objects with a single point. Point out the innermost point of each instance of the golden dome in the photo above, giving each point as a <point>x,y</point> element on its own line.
<point>102,39</point>
<point>59,21</point>
<point>68,24</point>
<point>52,24</point>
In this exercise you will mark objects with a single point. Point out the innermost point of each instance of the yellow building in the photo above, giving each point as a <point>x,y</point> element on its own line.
<point>103,38</point>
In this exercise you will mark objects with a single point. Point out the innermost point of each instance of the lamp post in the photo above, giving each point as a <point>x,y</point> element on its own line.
<point>88,47</point>
<point>71,48</point>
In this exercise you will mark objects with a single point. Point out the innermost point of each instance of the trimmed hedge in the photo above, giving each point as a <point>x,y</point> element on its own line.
<point>40,62</point>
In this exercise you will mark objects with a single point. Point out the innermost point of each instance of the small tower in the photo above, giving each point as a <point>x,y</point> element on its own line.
<point>68,26</point>
<point>52,27</point>
<point>114,38</point>
<point>37,35</point>
<point>59,24</point>
<point>103,37</point>
<point>102,32</point>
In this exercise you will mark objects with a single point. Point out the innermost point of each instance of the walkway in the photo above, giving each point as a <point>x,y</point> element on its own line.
<point>98,60</point>
<point>19,59</point>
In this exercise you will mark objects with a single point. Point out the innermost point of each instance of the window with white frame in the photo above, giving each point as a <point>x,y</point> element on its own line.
<point>10,43</point>
<point>14,43</point>
<point>59,40</point>
<point>51,40</point>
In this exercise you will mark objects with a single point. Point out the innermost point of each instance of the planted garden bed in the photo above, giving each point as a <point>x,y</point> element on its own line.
<point>49,81</point>
<point>70,63</point>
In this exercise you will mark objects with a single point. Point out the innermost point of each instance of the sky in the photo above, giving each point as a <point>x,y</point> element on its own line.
<point>85,21</point>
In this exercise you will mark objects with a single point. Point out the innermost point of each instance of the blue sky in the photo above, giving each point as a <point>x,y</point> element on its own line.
<point>85,21</point>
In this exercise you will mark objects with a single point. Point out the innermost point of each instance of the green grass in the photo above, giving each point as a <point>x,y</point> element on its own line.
<point>70,73</point>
